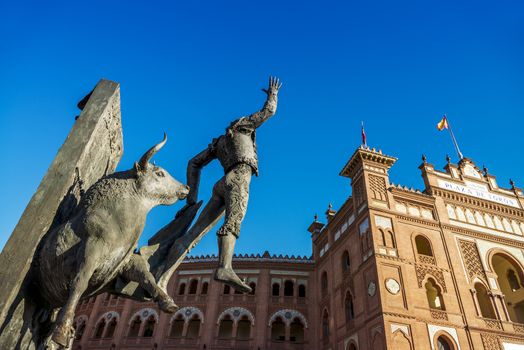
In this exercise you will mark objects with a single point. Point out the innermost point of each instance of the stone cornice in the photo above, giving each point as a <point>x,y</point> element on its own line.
<point>484,236</point>
<point>473,202</point>
<point>410,262</point>
<point>417,220</point>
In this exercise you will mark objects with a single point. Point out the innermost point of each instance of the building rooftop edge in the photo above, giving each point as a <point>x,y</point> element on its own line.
<point>367,153</point>
<point>252,257</point>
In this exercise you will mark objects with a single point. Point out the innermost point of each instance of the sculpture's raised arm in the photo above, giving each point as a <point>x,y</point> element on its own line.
<point>270,107</point>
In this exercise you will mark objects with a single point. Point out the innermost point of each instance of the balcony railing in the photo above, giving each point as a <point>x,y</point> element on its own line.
<point>105,342</point>
<point>426,259</point>
<point>138,341</point>
<point>518,328</point>
<point>286,345</point>
<point>492,324</point>
<point>438,314</point>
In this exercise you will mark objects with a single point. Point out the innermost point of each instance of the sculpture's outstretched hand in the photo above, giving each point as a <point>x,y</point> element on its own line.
<point>274,86</point>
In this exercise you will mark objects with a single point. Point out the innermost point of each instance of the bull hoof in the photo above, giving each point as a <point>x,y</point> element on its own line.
<point>50,344</point>
<point>62,336</point>
<point>167,305</point>
<point>229,277</point>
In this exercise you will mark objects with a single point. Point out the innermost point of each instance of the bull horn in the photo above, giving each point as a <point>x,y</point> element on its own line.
<point>143,162</point>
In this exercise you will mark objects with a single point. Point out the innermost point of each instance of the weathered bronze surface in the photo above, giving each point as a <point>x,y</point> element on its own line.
<point>237,153</point>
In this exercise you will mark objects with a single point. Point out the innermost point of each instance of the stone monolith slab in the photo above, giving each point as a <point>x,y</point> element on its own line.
<point>92,149</point>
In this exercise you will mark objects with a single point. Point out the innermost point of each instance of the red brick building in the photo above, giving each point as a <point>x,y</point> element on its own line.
<point>393,268</point>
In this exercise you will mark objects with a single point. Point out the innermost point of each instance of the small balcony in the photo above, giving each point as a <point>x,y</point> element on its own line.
<point>492,323</point>
<point>439,314</point>
<point>427,259</point>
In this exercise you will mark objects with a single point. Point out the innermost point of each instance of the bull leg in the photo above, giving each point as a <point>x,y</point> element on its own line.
<point>137,270</point>
<point>64,323</point>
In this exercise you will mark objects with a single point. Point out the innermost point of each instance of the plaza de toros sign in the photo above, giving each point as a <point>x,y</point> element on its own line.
<point>479,191</point>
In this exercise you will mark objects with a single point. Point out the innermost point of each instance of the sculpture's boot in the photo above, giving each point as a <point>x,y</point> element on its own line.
<point>224,273</point>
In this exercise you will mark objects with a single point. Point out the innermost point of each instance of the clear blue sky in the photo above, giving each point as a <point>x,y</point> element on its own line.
<point>190,67</point>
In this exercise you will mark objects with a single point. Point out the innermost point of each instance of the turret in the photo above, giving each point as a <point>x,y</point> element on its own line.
<point>368,171</point>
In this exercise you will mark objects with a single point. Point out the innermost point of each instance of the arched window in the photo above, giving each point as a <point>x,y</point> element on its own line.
<point>244,328</point>
<point>275,290</point>
<point>460,214</point>
<point>134,327</point>
<point>227,289</point>
<point>110,331</point>
<point>177,327</point>
<point>345,261</point>
<point>484,301</point>
<point>513,280</point>
<point>510,277</point>
<point>205,286</point>
<point>325,325</point>
<point>289,288</point>
<point>423,246</point>
<point>348,307</point>
<point>225,328</point>
<point>193,286</point>
<point>324,282</point>
<point>182,289</point>
<point>444,344</point>
<point>99,330</point>
<point>253,287</point>
<point>149,327</point>
<point>80,331</point>
<point>301,291</point>
<point>434,295</point>
<point>479,219</point>
<point>79,325</point>
<point>278,329</point>
<point>296,331</point>
<point>352,347</point>
<point>390,240</point>
<point>382,238</point>
<point>193,327</point>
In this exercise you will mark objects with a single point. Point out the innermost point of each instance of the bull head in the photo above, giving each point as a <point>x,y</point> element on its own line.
<point>155,183</point>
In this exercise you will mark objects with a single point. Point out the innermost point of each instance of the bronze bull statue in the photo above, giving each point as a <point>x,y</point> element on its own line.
<point>95,246</point>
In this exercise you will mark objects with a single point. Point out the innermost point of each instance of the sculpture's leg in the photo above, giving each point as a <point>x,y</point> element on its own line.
<point>210,215</point>
<point>236,198</point>
<point>137,270</point>
<point>64,323</point>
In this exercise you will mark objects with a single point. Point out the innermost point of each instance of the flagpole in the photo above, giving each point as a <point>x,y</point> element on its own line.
<point>364,138</point>
<point>455,143</point>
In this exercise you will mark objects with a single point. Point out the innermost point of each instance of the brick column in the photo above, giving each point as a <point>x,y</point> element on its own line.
<point>211,313</point>
<point>123,323</point>
<point>262,295</point>
<point>91,323</point>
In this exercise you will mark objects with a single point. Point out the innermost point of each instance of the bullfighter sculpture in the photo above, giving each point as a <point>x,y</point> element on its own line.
<point>236,150</point>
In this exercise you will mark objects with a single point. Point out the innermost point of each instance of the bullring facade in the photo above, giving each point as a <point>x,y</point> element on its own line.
<point>393,268</point>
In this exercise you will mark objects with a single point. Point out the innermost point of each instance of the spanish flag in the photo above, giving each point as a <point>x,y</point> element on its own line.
<point>443,124</point>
